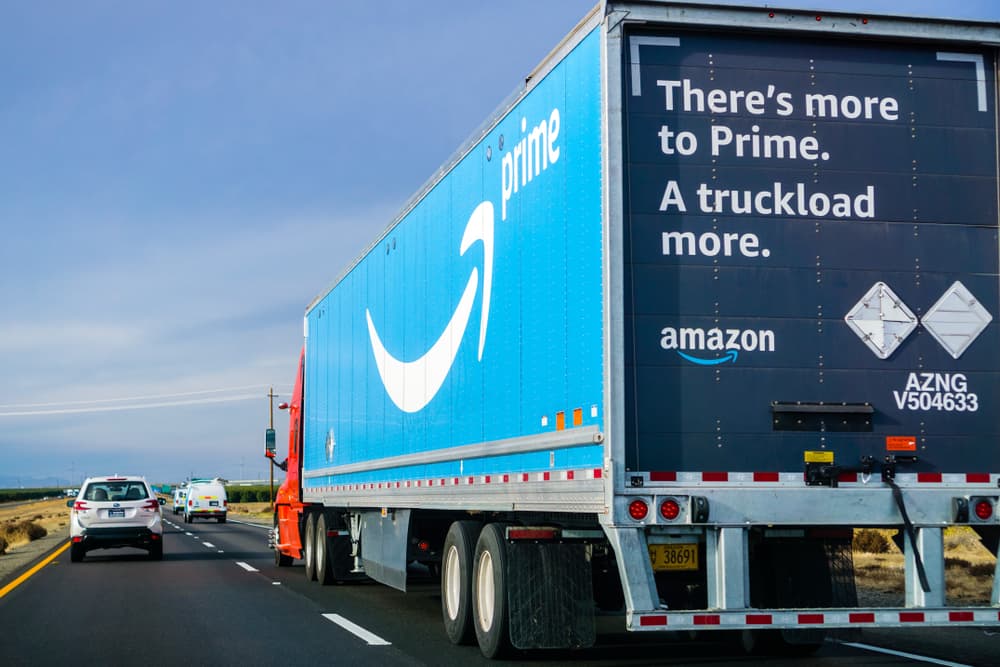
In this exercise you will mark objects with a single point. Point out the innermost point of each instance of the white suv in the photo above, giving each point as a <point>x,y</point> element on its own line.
<point>119,511</point>
<point>180,496</point>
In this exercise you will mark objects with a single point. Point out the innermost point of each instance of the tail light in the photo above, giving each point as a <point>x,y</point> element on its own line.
<point>225,503</point>
<point>638,509</point>
<point>670,509</point>
<point>80,506</point>
<point>190,503</point>
<point>152,504</point>
<point>983,509</point>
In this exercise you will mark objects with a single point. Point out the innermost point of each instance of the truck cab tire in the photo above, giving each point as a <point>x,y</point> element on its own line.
<point>309,547</point>
<point>456,581</point>
<point>489,592</point>
<point>280,559</point>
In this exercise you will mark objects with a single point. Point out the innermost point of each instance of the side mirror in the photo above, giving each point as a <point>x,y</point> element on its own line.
<point>162,501</point>
<point>69,503</point>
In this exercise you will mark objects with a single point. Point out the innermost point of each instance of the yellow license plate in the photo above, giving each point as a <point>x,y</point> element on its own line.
<point>673,556</point>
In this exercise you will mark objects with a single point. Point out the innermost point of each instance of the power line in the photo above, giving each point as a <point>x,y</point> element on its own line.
<point>133,398</point>
<point>137,406</point>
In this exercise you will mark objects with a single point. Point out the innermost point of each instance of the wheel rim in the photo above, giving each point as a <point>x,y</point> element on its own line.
<point>309,549</point>
<point>320,543</point>
<point>485,592</point>
<point>452,582</point>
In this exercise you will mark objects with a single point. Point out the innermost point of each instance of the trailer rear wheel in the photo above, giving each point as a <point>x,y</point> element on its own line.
<point>324,568</point>
<point>309,540</point>
<point>456,581</point>
<point>489,592</point>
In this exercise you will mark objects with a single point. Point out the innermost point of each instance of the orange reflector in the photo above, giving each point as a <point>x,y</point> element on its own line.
<point>901,443</point>
<point>532,534</point>
<point>560,421</point>
<point>578,417</point>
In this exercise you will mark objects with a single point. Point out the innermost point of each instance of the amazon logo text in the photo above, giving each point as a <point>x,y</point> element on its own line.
<point>530,156</point>
<point>692,342</point>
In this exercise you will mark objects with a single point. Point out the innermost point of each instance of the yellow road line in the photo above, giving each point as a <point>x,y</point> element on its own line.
<point>24,577</point>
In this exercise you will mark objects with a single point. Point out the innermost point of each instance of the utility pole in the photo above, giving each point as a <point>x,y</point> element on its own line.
<point>270,468</point>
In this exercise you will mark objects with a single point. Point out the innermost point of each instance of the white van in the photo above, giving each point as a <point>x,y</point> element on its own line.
<point>206,499</point>
<point>180,495</point>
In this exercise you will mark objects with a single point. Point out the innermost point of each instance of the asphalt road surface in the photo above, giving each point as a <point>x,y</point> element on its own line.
<point>217,598</point>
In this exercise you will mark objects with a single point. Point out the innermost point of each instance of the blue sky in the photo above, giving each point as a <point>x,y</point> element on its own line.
<point>179,180</point>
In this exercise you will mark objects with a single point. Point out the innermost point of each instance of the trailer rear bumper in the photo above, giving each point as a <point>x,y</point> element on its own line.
<point>812,619</point>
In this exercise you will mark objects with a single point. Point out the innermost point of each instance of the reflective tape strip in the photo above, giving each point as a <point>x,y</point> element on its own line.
<point>979,616</point>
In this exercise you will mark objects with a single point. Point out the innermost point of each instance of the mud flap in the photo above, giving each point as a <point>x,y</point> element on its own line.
<point>550,596</point>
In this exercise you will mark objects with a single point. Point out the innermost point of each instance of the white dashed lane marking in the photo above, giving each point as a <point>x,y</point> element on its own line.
<point>370,637</point>
<point>248,568</point>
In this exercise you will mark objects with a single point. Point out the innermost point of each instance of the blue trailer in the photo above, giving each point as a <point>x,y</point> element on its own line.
<point>714,288</point>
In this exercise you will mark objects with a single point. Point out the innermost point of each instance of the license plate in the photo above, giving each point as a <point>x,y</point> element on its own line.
<point>116,514</point>
<point>673,556</point>
<point>213,503</point>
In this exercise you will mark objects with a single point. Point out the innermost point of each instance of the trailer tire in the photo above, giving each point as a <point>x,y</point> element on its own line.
<point>456,581</point>
<point>280,559</point>
<point>309,547</point>
<point>489,592</point>
<point>324,568</point>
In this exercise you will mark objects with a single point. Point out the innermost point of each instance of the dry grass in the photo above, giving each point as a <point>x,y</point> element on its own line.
<point>968,566</point>
<point>259,511</point>
<point>24,523</point>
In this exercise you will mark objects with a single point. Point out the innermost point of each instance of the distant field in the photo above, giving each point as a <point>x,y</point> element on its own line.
<point>52,515</point>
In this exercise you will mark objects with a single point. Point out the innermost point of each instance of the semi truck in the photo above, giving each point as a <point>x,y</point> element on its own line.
<point>713,289</point>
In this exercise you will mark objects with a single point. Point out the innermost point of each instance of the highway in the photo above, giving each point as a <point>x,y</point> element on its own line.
<point>218,598</point>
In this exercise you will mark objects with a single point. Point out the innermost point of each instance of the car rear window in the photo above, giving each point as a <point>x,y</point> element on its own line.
<point>115,491</point>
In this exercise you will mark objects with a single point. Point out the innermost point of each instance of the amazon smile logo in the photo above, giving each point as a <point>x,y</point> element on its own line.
<point>692,343</point>
<point>413,384</point>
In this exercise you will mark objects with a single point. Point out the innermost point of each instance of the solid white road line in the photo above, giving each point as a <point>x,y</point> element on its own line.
<point>357,630</point>
<point>910,656</point>
<point>247,523</point>
<point>248,568</point>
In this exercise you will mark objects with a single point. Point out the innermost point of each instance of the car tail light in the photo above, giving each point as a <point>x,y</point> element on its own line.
<point>225,503</point>
<point>190,503</point>
<point>984,509</point>
<point>153,504</point>
<point>669,509</point>
<point>80,506</point>
<point>638,509</point>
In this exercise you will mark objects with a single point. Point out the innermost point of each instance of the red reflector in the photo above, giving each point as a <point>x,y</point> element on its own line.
<point>652,620</point>
<point>862,618</point>
<point>424,545</point>
<point>332,533</point>
<point>532,534</point>
<point>984,510</point>
<point>155,537</point>
<point>78,539</point>
<point>848,477</point>
<point>911,617</point>
<point>961,616</point>
<point>670,510</point>
<point>977,478</point>
<point>715,476</point>
<point>810,619</point>
<point>706,619</point>
<point>662,477</point>
<point>933,477</point>
<point>638,510</point>
<point>759,619</point>
<point>765,477</point>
